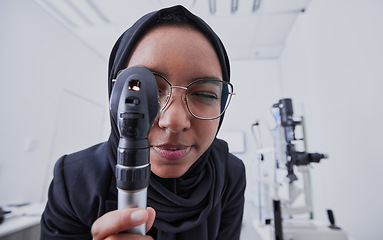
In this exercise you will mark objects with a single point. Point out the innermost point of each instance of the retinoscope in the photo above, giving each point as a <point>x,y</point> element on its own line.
<point>134,102</point>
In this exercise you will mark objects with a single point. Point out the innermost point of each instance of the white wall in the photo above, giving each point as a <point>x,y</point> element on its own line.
<point>53,98</point>
<point>333,64</point>
<point>257,87</point>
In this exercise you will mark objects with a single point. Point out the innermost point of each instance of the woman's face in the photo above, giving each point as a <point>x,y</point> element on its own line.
<point>181,55</point>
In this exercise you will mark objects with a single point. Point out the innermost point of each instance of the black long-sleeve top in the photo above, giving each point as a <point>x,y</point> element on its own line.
<point>84,188</point>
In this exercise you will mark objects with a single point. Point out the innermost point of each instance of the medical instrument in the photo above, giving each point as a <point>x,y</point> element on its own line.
<point>289,153</point>
<point>134,100</point>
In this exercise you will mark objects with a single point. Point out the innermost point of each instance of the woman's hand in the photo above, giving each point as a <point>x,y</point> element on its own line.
<point>112,224</point>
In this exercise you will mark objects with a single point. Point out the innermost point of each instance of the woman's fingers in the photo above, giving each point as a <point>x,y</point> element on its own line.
<point>115,222</point>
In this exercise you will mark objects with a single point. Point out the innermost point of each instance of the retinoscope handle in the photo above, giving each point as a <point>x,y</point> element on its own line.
<point>134,101</point>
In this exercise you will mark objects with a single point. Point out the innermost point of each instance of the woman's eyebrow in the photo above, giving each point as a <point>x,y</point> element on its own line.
<point>207,77</point>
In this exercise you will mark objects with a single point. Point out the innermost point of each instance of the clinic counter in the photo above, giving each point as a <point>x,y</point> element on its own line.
<point>23,222</point>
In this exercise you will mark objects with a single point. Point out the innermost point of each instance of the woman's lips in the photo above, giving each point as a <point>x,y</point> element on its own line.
<point>172,152</point>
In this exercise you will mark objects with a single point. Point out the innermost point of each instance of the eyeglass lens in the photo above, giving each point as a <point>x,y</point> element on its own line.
<point>205,99</point>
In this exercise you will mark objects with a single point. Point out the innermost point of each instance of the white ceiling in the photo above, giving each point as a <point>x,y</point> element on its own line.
<point>246,33</point>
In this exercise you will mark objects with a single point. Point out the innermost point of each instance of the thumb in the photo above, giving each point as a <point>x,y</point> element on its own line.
<point>118,221</point>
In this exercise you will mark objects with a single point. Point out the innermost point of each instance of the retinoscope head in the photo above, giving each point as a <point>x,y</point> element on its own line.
<point>135,92</point>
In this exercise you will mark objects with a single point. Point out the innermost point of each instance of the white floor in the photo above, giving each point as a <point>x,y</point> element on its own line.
<point>250,214</point>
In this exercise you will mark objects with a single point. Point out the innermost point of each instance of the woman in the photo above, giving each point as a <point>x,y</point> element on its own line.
<point>196,188</point>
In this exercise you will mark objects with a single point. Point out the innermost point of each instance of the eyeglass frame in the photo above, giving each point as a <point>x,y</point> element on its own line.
<point>227,103</point>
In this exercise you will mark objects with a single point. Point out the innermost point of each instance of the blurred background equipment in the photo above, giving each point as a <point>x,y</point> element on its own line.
<point>287,210</point>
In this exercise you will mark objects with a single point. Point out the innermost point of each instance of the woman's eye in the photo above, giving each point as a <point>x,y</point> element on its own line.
<point>205,95</point>
<point>203,99</point>
<point>162,92</point>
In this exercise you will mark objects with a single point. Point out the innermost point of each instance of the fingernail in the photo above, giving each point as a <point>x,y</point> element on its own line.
<point>138,215</point>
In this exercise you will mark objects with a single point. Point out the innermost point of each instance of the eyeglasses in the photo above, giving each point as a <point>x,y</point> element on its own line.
<point>205,99</point>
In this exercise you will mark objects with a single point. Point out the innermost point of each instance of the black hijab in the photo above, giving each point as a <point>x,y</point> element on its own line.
<point>183,203</point>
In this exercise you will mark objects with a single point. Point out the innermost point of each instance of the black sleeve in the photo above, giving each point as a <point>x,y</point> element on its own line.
<point>60,220</point>
<point>233,202</point>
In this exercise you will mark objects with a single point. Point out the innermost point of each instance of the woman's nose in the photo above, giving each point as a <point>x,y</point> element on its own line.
<point>175,116</point>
